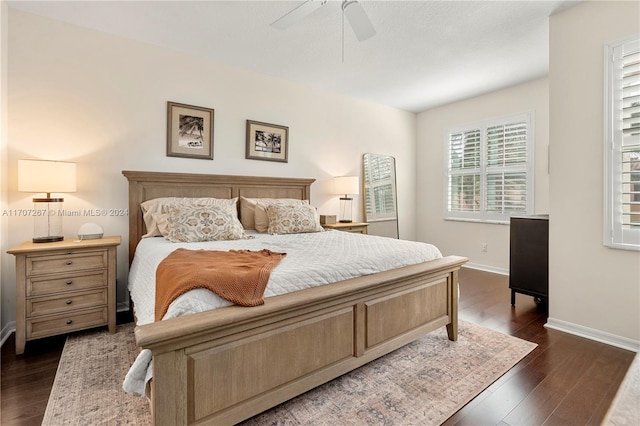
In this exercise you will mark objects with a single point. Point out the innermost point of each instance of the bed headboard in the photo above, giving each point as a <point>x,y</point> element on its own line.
<point>145,186</point>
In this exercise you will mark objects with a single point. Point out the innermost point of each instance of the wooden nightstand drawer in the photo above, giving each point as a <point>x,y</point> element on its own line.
<point>49,326</point>
<point>354,227</point>
<point>68,262</point>
<point>42,285</point>
<point>66,302</point>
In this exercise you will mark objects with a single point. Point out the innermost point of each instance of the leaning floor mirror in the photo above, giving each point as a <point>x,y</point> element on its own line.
<point>380,201</point>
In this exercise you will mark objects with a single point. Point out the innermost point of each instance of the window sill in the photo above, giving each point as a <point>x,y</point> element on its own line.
<point>485,221</point>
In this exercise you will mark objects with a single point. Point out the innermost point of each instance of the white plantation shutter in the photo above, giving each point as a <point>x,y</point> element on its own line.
<point>507,168</point>
<point>464,172</point>
<point>622,145</point>
<point>489,170</point>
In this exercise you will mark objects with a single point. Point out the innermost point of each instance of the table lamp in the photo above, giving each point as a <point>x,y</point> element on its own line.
<point>47,176</point>
<point>347,185</point>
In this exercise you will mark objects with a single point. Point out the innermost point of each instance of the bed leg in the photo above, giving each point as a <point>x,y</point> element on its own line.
<point>452,327</point>
<point>452,331</point>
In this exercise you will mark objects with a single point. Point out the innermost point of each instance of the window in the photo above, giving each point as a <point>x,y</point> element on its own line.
<point>490,170</point>
<point>622,144</point>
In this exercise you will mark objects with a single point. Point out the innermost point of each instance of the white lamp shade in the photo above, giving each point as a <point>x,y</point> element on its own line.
<point>346,185</point>
<point>46,176</point>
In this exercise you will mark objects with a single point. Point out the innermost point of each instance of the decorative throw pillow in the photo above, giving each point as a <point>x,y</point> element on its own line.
<point>152,210</point>
<point>188,224</point>
<point>260,216</point>
<point>253,214</point>
<point>292,219</point>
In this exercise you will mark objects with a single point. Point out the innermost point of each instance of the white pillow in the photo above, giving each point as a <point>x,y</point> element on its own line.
<point>153,209</point>
<point>293,219</point>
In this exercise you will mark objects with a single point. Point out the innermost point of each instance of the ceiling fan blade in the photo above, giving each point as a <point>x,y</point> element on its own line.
<point>358,20</point>
<point>297,14</point>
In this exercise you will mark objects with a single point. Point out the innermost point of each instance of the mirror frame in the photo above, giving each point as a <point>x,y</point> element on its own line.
<point>385,229</point>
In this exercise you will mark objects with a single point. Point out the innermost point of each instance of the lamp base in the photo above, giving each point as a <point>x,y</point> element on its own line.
<point>47,225</point>
<point>345,209</point>
<point>49,239</point>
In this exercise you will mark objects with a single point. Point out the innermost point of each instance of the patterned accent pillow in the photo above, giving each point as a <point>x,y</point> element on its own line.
<point>293,219</point>
<point>253,214</point>
<point>188,224</point>
<point>153,210</point>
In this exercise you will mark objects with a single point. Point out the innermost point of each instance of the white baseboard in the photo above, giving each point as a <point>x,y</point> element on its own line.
<point>486,268</point>
<point>575,329</point>
<point>593,334</point>
<point>6,332</point>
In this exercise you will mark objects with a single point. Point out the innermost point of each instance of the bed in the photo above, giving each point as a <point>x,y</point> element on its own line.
<point>211,367</point>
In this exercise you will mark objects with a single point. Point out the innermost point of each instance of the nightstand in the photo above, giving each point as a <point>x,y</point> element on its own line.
<point>355,227</point>
<point>64,286</point>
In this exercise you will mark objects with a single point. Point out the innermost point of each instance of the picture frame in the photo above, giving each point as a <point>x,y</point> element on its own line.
<point>189,131</point>
<point>269,142</point>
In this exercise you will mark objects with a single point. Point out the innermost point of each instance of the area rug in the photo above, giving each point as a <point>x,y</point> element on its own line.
<point>423,383</point>
<point>625,409</point>
<point>87,389</point>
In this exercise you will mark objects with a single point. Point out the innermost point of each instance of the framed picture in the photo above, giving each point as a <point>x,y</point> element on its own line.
<point>189,131</point>
<point>267,141</point>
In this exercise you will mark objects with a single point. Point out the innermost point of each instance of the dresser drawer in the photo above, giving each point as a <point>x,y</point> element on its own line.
<point>43,285</point>
<point>66,302</point>
<point>68,262</point>
<point>353,227</point>
<point>49,326</point>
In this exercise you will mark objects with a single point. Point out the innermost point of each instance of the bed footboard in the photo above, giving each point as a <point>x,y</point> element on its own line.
<point>226,365</point>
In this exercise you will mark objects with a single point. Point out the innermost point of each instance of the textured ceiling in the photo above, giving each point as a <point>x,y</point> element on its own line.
<point>425,53</point>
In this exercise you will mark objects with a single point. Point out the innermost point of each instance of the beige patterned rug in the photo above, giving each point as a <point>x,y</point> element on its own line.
<point>424,382</point>
<point>625,409</point>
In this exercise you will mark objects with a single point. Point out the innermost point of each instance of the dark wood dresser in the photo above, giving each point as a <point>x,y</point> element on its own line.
<point>529,257</point>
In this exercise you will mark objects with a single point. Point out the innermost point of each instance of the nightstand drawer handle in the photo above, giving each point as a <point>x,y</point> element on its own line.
<point>69,302</point>
<point>69,282</point>
<point>69,322</point>
<point>69,262</point>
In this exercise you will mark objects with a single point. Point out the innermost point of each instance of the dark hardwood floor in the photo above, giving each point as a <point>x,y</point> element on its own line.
<point>566,380</point>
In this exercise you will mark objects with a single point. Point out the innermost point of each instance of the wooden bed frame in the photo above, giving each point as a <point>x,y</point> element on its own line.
<point>229,364</point>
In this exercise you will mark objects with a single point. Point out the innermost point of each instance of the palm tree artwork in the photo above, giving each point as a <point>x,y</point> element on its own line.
<point>268,142</point>
<point>190,132</point>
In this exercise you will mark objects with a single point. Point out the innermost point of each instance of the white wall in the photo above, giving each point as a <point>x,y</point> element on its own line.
<point>465,238</point>
<point>593,289</point>
<point>100,100</point>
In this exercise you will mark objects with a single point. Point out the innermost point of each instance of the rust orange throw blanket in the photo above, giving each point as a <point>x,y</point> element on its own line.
<point>239,276</point>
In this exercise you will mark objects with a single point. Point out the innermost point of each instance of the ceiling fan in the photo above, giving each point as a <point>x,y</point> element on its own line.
<point>353,10</point>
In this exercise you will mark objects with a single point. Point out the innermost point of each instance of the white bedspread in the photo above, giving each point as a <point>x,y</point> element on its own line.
<point>312,259</point>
